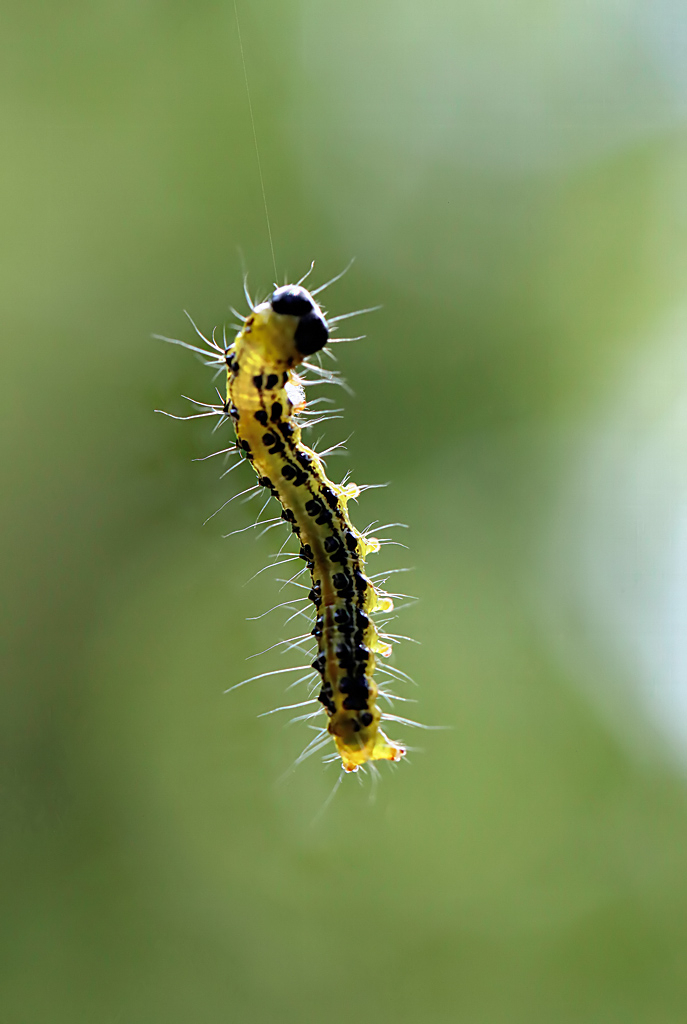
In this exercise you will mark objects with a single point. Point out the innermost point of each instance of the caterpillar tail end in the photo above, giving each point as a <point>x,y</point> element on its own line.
<point>377,748</point>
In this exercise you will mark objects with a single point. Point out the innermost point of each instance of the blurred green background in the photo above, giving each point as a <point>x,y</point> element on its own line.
<point>511,179</point>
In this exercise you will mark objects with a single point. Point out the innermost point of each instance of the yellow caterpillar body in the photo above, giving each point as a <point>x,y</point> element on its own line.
<point>264,399</point>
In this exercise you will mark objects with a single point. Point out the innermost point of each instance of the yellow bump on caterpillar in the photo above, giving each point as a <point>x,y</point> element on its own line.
<point>266,402</point>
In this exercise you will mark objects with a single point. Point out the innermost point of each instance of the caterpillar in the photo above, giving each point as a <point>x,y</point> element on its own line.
<point>265,400</point>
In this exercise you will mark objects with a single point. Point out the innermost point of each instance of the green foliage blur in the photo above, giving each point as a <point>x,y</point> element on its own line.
<point>511,180</point>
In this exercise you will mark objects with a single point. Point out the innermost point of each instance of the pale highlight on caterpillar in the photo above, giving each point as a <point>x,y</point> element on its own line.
<point>265,400</point>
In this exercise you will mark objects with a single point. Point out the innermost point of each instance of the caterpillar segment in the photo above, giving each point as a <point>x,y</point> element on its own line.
<point>264,398</point>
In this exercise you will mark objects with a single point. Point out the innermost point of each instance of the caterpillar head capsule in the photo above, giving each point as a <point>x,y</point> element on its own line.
<point>285,329</point>
<point>311,332</point>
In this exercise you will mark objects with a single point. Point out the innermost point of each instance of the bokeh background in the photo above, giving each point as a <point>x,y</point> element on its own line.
<point>512,180</point>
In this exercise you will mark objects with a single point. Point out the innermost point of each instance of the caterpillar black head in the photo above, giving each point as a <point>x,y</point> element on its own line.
<point>312,332</point>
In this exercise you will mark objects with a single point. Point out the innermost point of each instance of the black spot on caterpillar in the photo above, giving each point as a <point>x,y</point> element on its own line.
<point>266,402</point>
